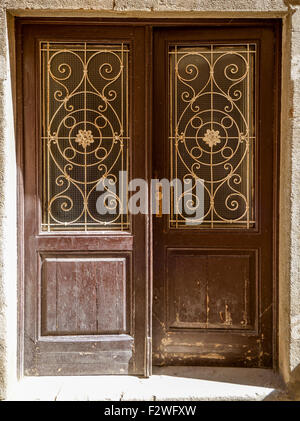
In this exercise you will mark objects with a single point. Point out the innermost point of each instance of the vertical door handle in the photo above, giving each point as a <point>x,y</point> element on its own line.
<point>158,201</point>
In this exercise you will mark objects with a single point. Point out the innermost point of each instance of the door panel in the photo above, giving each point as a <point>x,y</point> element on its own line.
<point>84,295</point>
<point>214,124</point>
<point>218,292</point>
<point>85,286</point>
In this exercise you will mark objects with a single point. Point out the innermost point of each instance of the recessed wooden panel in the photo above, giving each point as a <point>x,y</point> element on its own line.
<point>83,295</point>
<point>211,289</point>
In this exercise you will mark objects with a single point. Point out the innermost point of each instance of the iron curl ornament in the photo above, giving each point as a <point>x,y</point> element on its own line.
<point>84,134</point>
<point>212,131</point>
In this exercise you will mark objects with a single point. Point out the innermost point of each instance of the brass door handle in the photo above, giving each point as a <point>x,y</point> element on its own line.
<point>158,201</point>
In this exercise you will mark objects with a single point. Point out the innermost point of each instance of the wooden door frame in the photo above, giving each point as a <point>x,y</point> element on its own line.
<point>149,24</point>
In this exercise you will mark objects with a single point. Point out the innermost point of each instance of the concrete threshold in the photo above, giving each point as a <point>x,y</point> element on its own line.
<point>166,384</point>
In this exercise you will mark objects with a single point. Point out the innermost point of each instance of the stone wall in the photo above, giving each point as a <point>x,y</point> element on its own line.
<point>289,235</point>
<point>294,120</point>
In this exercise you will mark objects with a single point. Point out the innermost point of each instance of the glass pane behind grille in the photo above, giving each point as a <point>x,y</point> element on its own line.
<point>85,135</point>
<point>212,136</point>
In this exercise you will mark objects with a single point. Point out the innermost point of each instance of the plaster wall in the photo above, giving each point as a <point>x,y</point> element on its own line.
<point>289,228</point>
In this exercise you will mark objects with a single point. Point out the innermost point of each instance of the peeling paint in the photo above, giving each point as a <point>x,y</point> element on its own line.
<point>207,305</point>
<point>244,322</point>
<point>212,356</point>
<point>227,319</point>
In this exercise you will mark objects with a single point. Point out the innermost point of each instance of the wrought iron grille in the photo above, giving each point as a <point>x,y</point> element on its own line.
<point>212,132</point>
<point>85,135</point>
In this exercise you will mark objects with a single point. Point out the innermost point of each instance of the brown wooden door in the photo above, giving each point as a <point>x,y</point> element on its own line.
<point>85,277</point>
<point>84,100</point>
<point>214,123</point>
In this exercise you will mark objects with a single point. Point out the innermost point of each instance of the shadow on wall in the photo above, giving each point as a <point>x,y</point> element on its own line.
<point>248,377</point>
<point>294,384</point>
<point>291,392</point>
<point>244,376</point>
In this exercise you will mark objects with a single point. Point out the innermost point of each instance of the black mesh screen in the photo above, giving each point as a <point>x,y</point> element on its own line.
<point>212,131</point>
<point>85,135</point>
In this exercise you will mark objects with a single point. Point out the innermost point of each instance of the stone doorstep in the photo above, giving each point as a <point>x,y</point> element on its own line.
<point>166,384</point>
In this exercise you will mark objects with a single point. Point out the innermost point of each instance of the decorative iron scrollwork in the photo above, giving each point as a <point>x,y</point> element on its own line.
<point>212,137</point>
<point>85,134</point>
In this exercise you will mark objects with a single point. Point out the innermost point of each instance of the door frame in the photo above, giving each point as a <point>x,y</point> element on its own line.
<point>149,24</point>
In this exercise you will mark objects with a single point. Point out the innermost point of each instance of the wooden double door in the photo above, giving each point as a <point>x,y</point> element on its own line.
<point>104,104</point>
